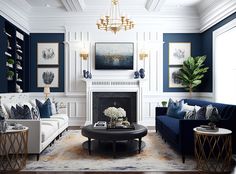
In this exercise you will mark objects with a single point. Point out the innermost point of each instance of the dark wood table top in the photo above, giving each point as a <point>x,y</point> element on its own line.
<point>114,135</point>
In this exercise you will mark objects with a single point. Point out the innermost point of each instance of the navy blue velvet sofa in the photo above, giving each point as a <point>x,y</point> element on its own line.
<point>179,132</point>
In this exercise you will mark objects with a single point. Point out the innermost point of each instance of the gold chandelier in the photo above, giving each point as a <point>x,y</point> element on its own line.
<point>114,22</point>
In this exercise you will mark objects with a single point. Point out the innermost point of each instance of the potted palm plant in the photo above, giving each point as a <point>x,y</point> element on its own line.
<point>192,72</point>
<point>10,75</point>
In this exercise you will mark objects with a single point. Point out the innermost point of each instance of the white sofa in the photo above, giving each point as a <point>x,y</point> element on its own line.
<point>42,132</point>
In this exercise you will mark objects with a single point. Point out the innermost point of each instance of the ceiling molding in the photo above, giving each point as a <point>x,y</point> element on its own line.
<point>216,13</point>
<point>74,5</point>
<point>14,16</point>
<point>154,5</point>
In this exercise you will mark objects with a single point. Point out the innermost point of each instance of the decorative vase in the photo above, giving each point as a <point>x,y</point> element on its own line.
<point>84,73</point>
<point>142,75</point>
<point>112,123</point>
<point>3,126</point>
<point>136,74</point>
<point>141,71</point>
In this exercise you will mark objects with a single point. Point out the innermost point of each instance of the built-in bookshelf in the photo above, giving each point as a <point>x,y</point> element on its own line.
<point>13,54</point>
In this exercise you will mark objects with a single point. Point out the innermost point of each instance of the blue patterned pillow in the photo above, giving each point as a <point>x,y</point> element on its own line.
<point>20,112</point>
<point>175,109</point>
<point>44,108</point>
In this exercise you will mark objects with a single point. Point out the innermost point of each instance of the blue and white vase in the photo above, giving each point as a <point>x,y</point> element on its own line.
<point>136,74</point>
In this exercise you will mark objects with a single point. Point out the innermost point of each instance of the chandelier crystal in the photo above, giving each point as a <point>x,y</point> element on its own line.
<point>115,22</point>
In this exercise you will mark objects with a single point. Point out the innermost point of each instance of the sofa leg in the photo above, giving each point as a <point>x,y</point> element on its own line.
<point>38,157</point>
<point>183,157</point>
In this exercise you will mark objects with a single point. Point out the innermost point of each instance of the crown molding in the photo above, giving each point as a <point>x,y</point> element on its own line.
<point>14,17</point>
<point>74,5</point>
<point>216,13</point>
<point>154,5</point>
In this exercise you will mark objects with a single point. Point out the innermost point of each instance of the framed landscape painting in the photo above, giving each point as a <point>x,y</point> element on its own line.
<point>179,52</point>
<point>114,55</point>
<point>48,76</point>
<point>47,54</point>
<point>174,82</point>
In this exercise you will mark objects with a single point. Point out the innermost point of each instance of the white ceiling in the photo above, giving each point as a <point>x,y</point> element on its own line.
<point>191,13</point>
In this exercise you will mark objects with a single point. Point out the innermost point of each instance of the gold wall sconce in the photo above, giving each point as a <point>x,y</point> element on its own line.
<point>84,54</point>
<point>143,54</point>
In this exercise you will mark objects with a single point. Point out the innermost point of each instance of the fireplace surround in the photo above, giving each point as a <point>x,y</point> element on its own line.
<point>112,86</point>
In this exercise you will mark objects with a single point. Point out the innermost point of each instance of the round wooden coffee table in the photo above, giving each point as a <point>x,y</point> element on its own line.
<point>116,138</point>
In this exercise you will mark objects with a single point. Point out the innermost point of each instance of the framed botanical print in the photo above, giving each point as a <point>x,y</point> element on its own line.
<point>48,54</point>
<point>174,82</point>
<point>48,76</point>
<point>179,52</point>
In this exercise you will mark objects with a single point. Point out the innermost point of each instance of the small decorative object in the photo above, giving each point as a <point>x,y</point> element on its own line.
<point>10,75</point>
<point>48,76</point>
<point>48,54</point>
<point>164,103</point>
<point>115,115</point>
<point>85,74</point>
<point>10,62</point>
<point>89,75</point>
<point>3,124</point>
<point>18,89</point>
<point>136,74</point>
<point>142,73</point>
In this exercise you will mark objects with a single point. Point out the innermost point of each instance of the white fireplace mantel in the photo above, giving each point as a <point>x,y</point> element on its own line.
<point>113,85</point>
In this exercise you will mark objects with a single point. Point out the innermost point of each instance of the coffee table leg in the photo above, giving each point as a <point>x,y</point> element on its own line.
<point>89,145</point>
<point>139,144</point>
<point>114,148</point>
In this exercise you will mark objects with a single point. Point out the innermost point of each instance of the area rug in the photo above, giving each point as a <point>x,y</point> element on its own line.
<point>67,154</point>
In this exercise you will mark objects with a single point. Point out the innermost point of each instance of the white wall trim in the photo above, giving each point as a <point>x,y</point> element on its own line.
<point>216,33</point>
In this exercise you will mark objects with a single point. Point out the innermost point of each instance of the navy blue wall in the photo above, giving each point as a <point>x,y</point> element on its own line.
<point>45,37</point>
<point>196,50</point>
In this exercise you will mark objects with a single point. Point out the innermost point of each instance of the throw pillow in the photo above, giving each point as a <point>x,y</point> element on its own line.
<point>35,113</point>
<point>20,112</point>
<point>190,115</point>
<point>54,110</point>
<point>215,116</point>
<point>187,107</point>
<point>175,109</point>
<point>45,109</point>
<point>3,114</point>
<point>200,114</point>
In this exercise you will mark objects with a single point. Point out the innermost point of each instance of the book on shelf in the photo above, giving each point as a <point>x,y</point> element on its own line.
<point>100,125</point>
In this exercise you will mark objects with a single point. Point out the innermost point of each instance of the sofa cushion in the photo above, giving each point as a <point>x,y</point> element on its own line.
<point>3,112</point>
<point>46,131</point>
<point>8,108</point>
<point>20,112</point>
<point>60,122</point>
<point>35,113</point>
<point>44,108</point>
<point>53,123</point>
<point>61,116</point>
<point>170,126</point>
<point>175,109</point>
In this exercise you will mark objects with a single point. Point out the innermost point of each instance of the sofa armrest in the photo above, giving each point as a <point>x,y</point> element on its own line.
<point>34,136</point>
<point>161,111</point>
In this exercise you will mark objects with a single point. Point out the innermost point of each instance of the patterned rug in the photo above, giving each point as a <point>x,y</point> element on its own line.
<point>67,154</point>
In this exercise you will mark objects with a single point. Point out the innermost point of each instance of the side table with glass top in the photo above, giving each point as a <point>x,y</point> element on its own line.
<point>13,149</point>
<point>213,150</point>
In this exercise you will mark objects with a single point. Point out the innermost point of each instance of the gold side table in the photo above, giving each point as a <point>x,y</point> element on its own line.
<point>13,149</point>
<point>213,150</point>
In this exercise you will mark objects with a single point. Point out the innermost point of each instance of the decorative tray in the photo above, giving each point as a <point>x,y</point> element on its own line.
<point>131,127</point>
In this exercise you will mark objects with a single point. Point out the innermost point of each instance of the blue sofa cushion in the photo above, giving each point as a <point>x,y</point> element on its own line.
<point>175,109</point>
<point>170,126</point>
<point>44,108</point>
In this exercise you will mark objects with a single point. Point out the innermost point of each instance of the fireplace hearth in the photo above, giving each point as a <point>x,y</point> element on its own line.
<point>125,100</point>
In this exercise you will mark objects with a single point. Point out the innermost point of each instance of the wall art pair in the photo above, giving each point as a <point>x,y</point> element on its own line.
<point>48,64</point>
<point>178,53</point>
